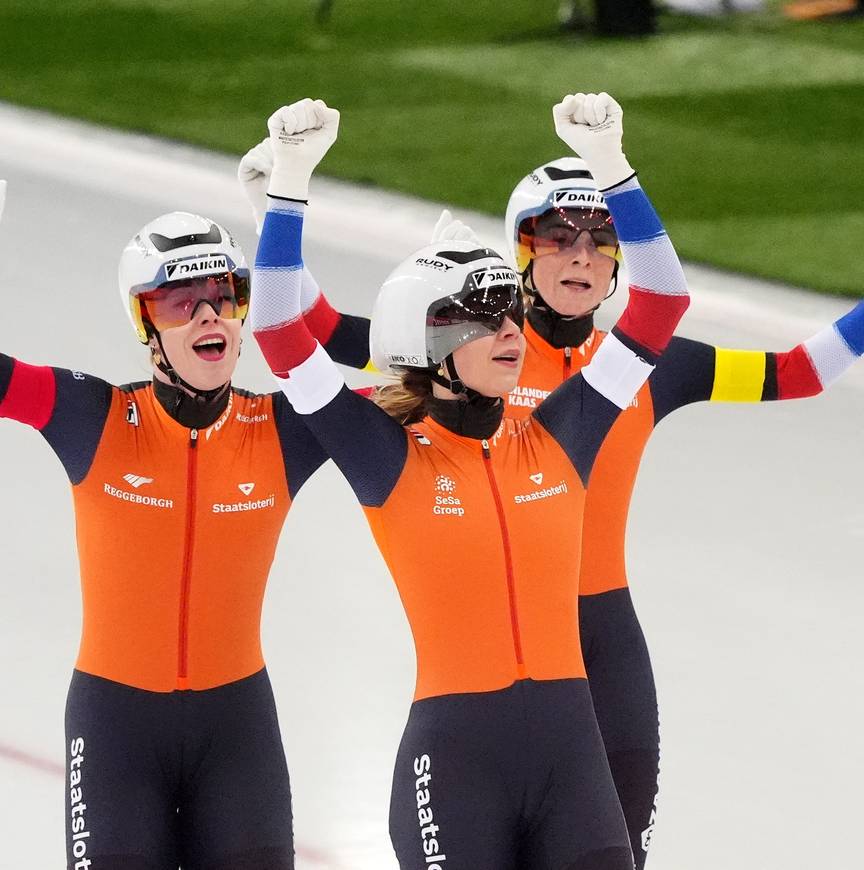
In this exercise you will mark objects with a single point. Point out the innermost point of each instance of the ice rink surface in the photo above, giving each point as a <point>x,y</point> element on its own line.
<point>744,545</point>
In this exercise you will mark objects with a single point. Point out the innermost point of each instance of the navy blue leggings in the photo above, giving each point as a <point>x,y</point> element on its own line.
<point>510,780</point>
<point>625,701</point>
<point>163,780</point>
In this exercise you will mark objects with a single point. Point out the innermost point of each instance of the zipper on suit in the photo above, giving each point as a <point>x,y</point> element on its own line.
<point>508,557</point>
<point>186,576</point>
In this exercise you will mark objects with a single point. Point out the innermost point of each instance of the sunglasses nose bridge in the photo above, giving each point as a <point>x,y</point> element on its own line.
<point>206,301</point>
<point>508,325</point>
<point>583,238</point>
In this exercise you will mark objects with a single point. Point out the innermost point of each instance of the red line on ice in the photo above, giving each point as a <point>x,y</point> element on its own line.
<point>18,756</point>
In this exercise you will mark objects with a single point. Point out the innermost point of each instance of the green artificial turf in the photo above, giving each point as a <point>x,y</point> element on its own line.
<point>747,131</point>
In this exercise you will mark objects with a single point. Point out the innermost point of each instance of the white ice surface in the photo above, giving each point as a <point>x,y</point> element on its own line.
<point>744,546</point>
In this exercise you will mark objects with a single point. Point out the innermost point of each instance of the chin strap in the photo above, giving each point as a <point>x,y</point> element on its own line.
<point>161,361</point>
<point>471,413</point>
<point>446,376</point>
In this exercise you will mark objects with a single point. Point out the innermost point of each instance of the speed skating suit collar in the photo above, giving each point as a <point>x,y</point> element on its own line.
<point>478,417</point>
<point>194,412</point>
<point>556,329</point>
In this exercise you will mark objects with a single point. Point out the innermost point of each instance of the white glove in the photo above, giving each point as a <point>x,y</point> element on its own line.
<point>300,134</point>
<point>254,176</point>
<point>591,124</point>
<point>2,196</point>
<point>447,230</point>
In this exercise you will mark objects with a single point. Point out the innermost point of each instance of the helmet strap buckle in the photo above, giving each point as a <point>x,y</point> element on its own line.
<point>446,376</point>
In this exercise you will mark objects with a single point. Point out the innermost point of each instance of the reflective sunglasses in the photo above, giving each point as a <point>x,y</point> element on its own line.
<point>175,303</point>
<point>560,229</point>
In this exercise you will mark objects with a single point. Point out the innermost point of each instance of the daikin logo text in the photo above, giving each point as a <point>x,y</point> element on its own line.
<point>485,278</point>
<point>191,268</point>
<point>576,198</point>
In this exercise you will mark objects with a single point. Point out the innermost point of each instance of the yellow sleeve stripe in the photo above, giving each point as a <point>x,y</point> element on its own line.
<point>739,375</point>
<point>370,367</point>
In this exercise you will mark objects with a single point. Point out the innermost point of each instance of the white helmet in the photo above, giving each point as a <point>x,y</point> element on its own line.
<point>565,186</point>
<point>174,248</point>
<point>443,296</point>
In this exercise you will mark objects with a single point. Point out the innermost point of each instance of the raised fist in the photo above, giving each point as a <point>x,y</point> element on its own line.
<point>300,136</point>
<point>592,125</point>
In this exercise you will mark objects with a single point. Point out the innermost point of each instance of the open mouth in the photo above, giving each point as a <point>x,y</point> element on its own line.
<point>576,284</point>
<point>210,348</point>
<point>508,358</point>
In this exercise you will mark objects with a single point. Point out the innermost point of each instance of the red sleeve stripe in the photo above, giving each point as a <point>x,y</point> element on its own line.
<point>796,375</point>
<point>322,319</point>
<point>650,319</point>
<point>31,395</point>
<point>285,346</point>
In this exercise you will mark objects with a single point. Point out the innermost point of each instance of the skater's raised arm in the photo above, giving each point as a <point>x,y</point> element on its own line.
<point>692,371</point>
<point>345,337</point>
<point>69,409</point>
<point>581,411</point>
<point>368,446</point>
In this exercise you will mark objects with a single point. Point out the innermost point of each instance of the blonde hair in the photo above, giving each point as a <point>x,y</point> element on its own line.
<point>405,400</point>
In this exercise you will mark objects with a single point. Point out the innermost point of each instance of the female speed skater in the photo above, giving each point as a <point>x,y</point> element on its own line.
<point>181,486</point>
<point>501,764</point>
<point>564,244</point>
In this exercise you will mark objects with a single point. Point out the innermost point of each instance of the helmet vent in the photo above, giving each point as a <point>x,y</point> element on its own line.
<point>556,174</point>
<point>463,257</point>
<point>163,243</point>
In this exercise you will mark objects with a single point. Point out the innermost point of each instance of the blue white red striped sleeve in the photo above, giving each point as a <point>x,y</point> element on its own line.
<point>658,298</point>
<point>345,337</point>
<point>369,447</point>
<point>815,364</point>
<point>276,312</point>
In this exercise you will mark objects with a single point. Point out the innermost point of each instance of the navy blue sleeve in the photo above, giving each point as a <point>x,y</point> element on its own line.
<point>349,343</point>
<point>367,444</point>
<point>301,452</point>
<point>75,429</point>
<point>579,419</point>
<point>6,366</point>
<point>67,407</point>
<point>684,375</point>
